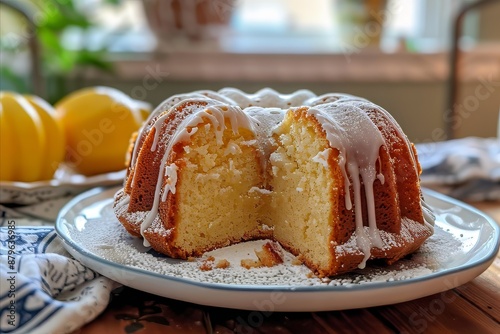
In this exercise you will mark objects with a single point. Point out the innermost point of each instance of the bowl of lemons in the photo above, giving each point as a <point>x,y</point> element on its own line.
<point>51,151</point>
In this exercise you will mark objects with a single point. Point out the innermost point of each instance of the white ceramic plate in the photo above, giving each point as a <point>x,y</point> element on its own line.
<point>66,182</point>
<point>465,243</point>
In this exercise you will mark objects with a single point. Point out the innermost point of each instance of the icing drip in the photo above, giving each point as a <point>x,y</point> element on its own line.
<point>380,176</point>
<point>216,114</point>
<point>429,217</point>
<point>265,121</point>
<point>148,220</point>
<point>342,162</point>
<point>396,126</point>
<point>124,200</point>
<point>358,140</point>
<point>157,126</point>
<point>265,98</point>
<point>217,120</point>
<point>171,174</point>
<point>193,131</point>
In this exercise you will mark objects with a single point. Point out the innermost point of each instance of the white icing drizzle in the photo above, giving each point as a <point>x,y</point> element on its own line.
<point>267,98</point>
<point>193,130</point>
<point>380,176</point>
<point>266,119</point>
<point>399,130</point>
<point>217,120</point>
<point>124,200</point>
<point>429,217</point>
<point>162,107</point>
<point>332,97</point>
<point>358,140</point>
<point>157,126</point>
<point>171,174</point>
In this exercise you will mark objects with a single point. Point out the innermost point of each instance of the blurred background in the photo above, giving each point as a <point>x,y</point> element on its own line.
<point>393,52</point>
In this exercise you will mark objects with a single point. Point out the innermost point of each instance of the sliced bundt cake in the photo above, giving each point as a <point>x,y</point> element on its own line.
<point>332,178</point>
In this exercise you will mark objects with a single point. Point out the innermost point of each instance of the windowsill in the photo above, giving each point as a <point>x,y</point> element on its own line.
<point>369,65</point>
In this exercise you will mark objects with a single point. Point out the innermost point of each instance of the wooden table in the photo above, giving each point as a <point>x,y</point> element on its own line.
<point>470,308</point>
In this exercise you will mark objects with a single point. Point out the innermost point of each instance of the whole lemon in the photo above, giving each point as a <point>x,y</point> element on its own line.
<point>98,123</point>
<point>31,138</point>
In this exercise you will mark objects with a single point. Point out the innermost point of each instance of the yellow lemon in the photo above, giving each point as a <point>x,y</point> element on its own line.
<point>98,123</point>
<point>31,138</point>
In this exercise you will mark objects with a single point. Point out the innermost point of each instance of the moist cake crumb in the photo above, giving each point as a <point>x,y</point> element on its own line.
<point>270,255</point>
<point>222,264</point>
<point>207,264</point>
<point>248,263</point>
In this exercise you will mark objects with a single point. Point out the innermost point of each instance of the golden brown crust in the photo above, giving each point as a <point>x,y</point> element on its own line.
<point>403,161</point>
<point>147,165</point>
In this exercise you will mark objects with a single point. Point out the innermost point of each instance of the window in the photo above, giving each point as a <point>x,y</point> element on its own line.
<point>262,26</point>
<point>269,26</point>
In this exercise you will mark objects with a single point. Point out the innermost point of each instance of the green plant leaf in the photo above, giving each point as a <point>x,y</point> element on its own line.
<point>49,40</point>
<point>94,59</point>
<point>53,17</point>
<point>61,14</point>
<point>69,60</point>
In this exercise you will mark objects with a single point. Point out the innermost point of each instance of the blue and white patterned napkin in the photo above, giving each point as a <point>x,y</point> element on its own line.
<point>467,169</point>
<point>44,290</point>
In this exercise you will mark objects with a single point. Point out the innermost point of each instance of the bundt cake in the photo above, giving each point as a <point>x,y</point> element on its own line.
<point>332,178</point>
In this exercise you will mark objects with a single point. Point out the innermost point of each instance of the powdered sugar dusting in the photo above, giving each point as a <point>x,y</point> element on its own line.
<point>106,238</point>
